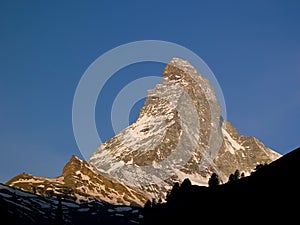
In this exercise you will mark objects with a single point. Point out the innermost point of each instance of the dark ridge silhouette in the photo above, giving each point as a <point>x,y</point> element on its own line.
<point>19,207</point>
<point>270,194</point>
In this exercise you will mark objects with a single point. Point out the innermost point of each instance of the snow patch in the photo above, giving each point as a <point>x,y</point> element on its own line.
<point>5,195</point>
<point>83,176</point>
<point>196,179</point>
<point>234,145</point>
<point>70,204</point>
<point>123,209</point>
<point>83,210</point>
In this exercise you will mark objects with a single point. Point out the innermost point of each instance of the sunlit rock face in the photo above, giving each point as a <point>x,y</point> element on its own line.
<point>179,133</point>
<point>81,183</point>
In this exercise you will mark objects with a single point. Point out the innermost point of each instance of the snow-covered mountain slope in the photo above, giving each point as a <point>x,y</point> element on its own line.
<point>80,182</point>
<point>179,134</point>
<point>20,207</point>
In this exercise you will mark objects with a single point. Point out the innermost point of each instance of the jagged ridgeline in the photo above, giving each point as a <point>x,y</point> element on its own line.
<point>142,162</point>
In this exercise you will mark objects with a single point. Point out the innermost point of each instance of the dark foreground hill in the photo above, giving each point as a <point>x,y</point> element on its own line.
<point>268,195</point>
<point>23,208</point>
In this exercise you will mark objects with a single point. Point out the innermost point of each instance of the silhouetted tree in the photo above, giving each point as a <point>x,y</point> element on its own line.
<point>154,203</point>
<point>234,176</point>
<point>237,174</point>
<point>174,192</point>
<point>242,174</point>
<point>186,184</point>
<point>213,180</point>
<point>148,212</point>
<point>231,178</point>
<point>148,204</point>
<point>259,167</point>
<point>59,213</point>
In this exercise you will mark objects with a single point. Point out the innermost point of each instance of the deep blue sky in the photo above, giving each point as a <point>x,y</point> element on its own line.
<point>253,48</point>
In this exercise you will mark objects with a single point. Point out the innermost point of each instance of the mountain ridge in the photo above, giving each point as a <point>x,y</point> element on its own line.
<point>79,182</point>
<point>180,129</point>
<point>166,144</point>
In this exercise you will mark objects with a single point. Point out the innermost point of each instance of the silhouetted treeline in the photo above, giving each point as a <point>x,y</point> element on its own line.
<point>269,194</point>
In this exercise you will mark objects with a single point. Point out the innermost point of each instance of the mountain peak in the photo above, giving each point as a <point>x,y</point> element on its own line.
<point>179,134</point>
<point>182,72</point>
<point>75,158</point>
<point>75,164</point>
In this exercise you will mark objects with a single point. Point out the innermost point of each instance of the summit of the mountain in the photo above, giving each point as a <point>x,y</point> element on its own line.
<point>179,134</point>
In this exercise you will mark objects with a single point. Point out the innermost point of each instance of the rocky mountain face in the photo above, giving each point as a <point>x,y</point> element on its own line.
<point>179,134</point>
<point>80,182</point>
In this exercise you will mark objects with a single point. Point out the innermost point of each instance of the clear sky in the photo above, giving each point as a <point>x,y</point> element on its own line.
<point>252,47</point>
